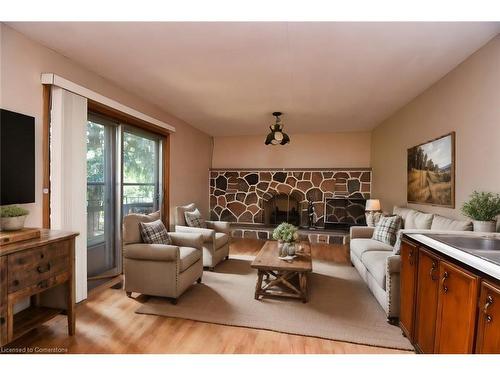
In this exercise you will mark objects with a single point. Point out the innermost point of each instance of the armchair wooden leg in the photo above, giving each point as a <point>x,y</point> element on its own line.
<point>129,294</point>
<point>227,257</point>
<point>199,281</point>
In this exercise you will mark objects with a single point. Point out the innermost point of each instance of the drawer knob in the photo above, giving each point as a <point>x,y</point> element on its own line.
<point>43,284</point>
<point>15,282</point>
<point>40,269</point>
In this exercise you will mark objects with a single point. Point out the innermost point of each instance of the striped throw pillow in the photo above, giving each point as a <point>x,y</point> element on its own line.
<point>387,228</point>
<point>154,233</point>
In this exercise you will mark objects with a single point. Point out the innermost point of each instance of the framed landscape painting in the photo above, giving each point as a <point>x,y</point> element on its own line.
<point>431,172</point>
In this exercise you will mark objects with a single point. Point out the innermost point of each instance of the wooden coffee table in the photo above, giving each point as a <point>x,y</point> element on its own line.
<point>281,278</point>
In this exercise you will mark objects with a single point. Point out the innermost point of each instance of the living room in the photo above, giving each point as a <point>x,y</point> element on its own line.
<point>250,187</point>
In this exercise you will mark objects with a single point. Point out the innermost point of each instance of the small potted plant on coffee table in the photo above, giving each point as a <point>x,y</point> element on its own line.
<point>286,235</point>
<point>12,217</point>
<point>482,208</point>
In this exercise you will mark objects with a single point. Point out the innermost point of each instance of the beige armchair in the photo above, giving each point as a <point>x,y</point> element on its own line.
<point>160,270</point>
<point>216,236</point>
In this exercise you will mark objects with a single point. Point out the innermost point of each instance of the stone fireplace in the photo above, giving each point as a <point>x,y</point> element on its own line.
<point>268,197</point>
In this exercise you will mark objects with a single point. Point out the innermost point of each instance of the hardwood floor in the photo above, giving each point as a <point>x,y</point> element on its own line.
<point>106,323</point>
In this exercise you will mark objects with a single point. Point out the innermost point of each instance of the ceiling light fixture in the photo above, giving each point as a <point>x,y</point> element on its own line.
<point>277,137</point>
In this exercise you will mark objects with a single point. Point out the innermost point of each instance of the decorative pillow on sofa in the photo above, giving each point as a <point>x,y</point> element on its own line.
<point>387,229</point>
<point>194,219</point>
<point>154,233</point>
<point>418,220</point>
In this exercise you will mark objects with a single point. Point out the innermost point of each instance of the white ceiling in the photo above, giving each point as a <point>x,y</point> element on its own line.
<point>227,78</point>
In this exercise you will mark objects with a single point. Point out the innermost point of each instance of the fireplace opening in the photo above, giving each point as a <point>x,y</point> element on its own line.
<point>282,208</point>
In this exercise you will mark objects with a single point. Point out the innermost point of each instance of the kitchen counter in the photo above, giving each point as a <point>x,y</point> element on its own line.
<point>487,267</point>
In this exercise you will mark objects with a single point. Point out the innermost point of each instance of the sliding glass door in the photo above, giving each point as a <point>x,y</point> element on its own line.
<point>140,166</point>
<point>123,176</point>
<point>101,179</point>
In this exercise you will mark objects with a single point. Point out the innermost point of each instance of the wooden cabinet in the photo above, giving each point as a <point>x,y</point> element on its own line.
<point>456,307</point>
<point>41,269</point>
<point>426,300</point>
<point>3,301</point>
<point>409,260</point>
<point>456,313</point>
<point>488,330</point>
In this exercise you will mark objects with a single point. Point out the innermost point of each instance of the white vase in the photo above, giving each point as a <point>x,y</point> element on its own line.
<point>289,248</point>
<point>12,223</point>
<point>484,226</point>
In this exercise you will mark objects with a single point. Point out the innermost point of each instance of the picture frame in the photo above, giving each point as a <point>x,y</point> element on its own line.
<point>431,172</point>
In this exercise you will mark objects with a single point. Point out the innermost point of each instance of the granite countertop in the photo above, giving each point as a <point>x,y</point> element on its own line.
<point>487,267</point>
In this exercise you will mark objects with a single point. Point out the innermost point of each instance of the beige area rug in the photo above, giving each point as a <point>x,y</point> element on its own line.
<point>340,305</point>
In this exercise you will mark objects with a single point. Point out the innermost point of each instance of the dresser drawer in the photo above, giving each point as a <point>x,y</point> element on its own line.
<point>29,267</point>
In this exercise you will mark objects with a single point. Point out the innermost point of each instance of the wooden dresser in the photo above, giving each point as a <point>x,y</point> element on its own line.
<point>42,270</point>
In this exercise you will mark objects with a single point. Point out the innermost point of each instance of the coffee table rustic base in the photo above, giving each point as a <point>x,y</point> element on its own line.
<point>281,284</point>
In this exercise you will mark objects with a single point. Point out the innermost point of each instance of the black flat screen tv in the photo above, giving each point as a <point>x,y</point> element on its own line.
<point>17,158</point>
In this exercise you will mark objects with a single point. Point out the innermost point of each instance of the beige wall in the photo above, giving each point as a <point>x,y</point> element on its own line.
<point>328,150</point>
<point>466,101</point>
<point>22,62</point>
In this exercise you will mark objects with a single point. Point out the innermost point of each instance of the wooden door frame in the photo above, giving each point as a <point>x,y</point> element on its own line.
<point>110,112</point>
<point>46,103</point>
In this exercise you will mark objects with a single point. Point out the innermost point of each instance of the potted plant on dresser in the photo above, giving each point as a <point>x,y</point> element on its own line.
<point>482,208</point>
<point>12,217</point>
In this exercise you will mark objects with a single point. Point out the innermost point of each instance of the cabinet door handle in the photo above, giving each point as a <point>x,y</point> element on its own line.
<point>488,318</point>
<point>40,269</point>
<point>410,257</point>
<point>489,302</point>
<point>445,276</point>
<point>431,272</point>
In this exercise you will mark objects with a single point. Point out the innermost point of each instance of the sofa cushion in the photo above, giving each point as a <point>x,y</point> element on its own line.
<point>362,245</point>
<point>402,211</point>
<point>187,257</point>
<point>375,262</point>
<point>443,223</point>
<point>179,213</point>
<point>387,229</point>
<point>418,220</point>
<point>220,239</point>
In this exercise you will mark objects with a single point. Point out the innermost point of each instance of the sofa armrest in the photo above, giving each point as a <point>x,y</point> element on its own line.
<point>219,226</point>
<point>393,264</point>
<point>361,232</point>
<point>208,234</point>
<point>154,252</point>
<point>187,239</point>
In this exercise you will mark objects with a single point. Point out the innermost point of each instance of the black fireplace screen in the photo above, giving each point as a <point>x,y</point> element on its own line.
<point>344,212</point>
<point>282,208</point>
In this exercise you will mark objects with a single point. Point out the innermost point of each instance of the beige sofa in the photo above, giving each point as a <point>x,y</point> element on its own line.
<point>160,270</point>
<point>216,236</point>
<point>379,265</point>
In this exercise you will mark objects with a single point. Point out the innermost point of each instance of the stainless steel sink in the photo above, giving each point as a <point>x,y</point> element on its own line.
<point>486,247</point>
